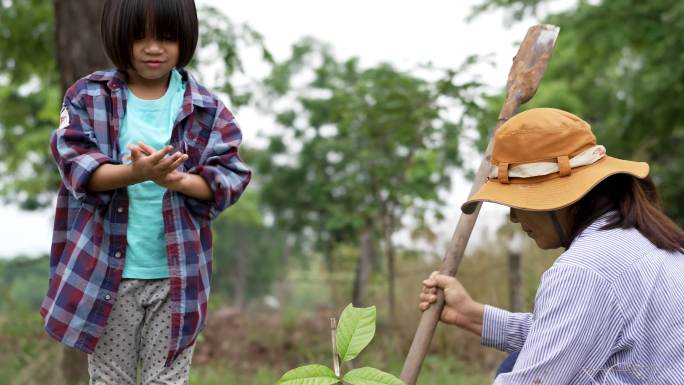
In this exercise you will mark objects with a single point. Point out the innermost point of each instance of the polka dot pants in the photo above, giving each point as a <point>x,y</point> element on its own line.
<point>137,337</point>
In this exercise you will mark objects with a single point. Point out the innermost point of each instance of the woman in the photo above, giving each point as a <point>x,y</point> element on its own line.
<point>610,310</point>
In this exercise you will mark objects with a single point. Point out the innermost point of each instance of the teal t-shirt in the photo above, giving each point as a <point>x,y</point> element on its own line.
<point>150,121</point>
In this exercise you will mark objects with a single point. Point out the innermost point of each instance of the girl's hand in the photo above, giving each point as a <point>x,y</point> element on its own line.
<point>459,308</point>
<point>172,180</point>
<point>149,164</point>
<point>188,184</point>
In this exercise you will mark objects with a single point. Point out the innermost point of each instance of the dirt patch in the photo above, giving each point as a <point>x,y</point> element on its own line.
<point>248,340</point>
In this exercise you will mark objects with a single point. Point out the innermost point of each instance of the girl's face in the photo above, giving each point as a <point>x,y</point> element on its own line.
<point>153,59</point>
<point>539,226</point>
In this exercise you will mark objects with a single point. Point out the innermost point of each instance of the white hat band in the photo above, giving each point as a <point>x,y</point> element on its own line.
<point>529,170</point>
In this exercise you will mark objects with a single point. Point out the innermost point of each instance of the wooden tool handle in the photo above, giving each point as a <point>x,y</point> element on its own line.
<point>523,80</point>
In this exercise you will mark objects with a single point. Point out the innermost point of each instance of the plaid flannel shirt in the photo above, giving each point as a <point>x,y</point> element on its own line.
<point>89,238</point>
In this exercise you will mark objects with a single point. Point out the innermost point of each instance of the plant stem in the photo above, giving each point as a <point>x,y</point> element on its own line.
<point>333,335</point>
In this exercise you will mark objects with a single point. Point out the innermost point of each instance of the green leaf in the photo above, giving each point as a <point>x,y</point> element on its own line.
<point>354,331</point>
<point>309,375</point>
<point>371,376</point>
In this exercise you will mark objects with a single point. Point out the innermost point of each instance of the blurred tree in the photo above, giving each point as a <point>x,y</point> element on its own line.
<point>30,97</point>
<point>224,45</point>
<point>361,150</point>
<point>78,53</point>
<point>619,64</point>
<point>363,267</point>
<point>510,239</point>
<point>248,255</point>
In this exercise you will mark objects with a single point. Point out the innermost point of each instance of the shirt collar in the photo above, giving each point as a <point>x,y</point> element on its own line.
<point>599,222</point>
<point>595,226</point>
<point>116,79</point>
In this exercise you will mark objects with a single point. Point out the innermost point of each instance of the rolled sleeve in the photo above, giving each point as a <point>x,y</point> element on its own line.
<point>504,330</point>
<point>75,151</point>
<point>221,167</point>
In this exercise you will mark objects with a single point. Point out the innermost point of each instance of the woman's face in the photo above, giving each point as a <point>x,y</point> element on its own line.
<point>539,226</point>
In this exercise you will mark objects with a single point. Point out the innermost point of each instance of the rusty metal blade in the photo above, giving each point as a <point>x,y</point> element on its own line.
<point>530,62</point>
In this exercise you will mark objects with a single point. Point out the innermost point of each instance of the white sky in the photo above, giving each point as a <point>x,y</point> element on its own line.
<point>400,32</point>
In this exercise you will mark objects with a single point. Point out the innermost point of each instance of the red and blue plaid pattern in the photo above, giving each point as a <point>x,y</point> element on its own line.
<point>89,238</point>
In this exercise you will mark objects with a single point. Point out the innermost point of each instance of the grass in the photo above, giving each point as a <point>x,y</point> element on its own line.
<point>33,357</point>
<point>436,370</point>
<point>440,370</point>
<point>220,375</point>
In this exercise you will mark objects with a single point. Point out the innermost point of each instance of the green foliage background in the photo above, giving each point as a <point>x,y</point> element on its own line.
<point>30,97</point>
<point>355,147</point>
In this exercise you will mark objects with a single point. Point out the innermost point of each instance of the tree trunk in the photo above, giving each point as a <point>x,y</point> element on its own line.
<point>78,53</point>
<point>363,267</point>
<point>388,226</point>
<point>391,272</point>
<point>78,47</point>
<point>391,258</point>
<point>515,281</point>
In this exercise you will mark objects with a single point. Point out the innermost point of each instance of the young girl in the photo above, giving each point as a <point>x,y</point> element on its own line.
<point>611,308</point>
<point>148,157</point>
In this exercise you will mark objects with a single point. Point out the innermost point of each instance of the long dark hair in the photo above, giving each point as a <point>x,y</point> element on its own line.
<point>635,204</point>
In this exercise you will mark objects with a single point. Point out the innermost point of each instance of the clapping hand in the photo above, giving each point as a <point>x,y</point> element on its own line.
<point>150,164</point>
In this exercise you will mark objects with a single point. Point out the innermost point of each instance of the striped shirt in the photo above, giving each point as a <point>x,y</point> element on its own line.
<point>610,310</point>
<point>89,237</point>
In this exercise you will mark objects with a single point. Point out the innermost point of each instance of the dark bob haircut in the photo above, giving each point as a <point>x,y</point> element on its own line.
<point>124,21</point>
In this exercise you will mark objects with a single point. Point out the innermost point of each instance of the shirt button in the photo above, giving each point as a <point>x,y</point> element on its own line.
<point>117,254</point>
<point>120,209</point>
<point>108,297</point>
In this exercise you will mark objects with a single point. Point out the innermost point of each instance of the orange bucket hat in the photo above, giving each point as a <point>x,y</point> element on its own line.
<point>545,159</point>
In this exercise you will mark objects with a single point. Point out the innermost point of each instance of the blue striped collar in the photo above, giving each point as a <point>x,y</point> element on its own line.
<point>600,222</point>
<point>596,226</point>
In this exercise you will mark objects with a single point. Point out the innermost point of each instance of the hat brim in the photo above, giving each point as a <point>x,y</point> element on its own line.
<point>554,193</point>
